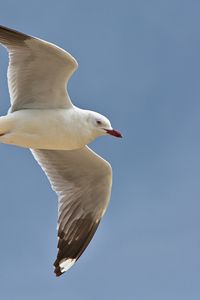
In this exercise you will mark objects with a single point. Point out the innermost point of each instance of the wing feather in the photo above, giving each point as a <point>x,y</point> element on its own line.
<point>38,71</point>
<point>82,181</point>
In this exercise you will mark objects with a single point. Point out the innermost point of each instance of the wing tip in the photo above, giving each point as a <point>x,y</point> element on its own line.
<point>8,35</point>
<point>70,249</point>
<point>63,266</point>
<point>58,272</point>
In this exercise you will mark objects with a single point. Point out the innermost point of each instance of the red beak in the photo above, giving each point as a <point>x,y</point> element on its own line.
<point>114,133</point>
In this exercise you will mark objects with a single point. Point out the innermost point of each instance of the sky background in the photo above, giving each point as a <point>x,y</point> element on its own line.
<point>139,64</point>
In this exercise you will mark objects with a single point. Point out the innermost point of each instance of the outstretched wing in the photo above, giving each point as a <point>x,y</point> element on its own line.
<point>82,181</point>
<point>38,71</point>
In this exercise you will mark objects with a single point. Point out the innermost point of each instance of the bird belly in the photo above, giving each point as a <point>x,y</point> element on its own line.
<point>35,141</point>
<point>38,130</point>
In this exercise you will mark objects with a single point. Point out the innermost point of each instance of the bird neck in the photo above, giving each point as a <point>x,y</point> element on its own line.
<point>83,128</point>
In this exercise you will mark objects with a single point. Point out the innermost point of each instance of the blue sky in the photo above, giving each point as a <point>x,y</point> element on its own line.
<point>139,65</point>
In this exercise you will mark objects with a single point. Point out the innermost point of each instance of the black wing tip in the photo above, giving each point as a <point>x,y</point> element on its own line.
<point>57,269</point>
<point>58,272</point>
<point>67,263</point>
<point>72,245</point>
<point>9,33</point>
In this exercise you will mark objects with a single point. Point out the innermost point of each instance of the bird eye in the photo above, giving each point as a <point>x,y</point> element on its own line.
<point>99,122</point>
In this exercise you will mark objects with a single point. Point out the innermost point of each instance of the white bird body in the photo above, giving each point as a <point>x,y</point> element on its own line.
<point>43,118</point>
<point>46,129</point>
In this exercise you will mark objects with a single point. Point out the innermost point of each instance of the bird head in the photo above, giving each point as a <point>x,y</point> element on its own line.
<point>101,125</point>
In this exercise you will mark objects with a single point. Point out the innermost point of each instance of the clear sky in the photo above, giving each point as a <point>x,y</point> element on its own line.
<point>139,64</point>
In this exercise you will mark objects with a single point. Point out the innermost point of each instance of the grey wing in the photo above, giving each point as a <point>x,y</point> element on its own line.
<point>82,181</point>
<point>38,71</point>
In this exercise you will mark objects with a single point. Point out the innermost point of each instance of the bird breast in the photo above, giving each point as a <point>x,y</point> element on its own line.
<point>54,129</point>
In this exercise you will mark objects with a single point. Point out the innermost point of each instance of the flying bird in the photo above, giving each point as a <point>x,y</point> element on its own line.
<point>43,118</point>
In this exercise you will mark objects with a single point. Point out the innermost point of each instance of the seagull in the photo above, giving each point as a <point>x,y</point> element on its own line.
<point>42,117</point>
